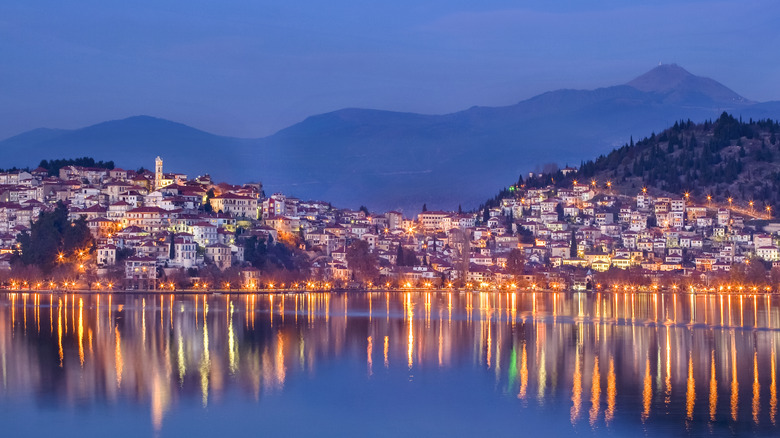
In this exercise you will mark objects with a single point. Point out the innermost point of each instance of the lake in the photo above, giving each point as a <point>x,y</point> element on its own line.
<point>433,363</point>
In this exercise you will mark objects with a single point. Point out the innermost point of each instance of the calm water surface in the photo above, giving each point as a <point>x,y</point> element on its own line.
<point>389,364</point>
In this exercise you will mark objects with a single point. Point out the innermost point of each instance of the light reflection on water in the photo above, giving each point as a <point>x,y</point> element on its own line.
<point>602,363</point>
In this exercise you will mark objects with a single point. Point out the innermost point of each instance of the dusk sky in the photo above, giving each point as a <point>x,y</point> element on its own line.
<point>250,68</point>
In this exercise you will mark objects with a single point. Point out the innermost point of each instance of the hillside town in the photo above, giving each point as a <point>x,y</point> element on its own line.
<point>155,230</point>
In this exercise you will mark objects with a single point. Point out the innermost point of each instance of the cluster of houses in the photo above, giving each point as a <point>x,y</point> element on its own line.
<point>147,222</point>
<point>564,236</point>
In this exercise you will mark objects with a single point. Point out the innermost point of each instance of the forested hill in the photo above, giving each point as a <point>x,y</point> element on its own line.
<point>724,158</point>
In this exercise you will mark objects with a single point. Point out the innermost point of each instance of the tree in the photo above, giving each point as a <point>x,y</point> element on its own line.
<point>364,209</point>
<point>461,243</point>
<point>559,210</point>
<point>405,257</point>
<point>752,272</point>
<point>51,235</point>
<point>172,248</point>
<point>363,263</point>
<point>255,251</point>
<point>207,203</point>
<point>515,262</point>
<point>573,248</point>
<point>53,166</point>
<point>526,236</point>
<point>425,208</point>
<point>651,221</point>
<point>774,277</point>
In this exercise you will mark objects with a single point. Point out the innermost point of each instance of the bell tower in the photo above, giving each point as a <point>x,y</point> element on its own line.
<point>158,173</point>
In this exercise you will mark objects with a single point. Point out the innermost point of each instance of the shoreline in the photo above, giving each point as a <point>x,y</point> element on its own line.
<point>360,291</point>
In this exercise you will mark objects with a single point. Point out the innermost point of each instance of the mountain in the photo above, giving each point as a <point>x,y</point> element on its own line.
<point>676,84</point>
<point>394,160</point>
<point>388,159</point>
<point>131,143</point>
<point>725,158</point>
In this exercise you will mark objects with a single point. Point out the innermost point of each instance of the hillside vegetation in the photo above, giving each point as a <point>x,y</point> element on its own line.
<point>725,158</point>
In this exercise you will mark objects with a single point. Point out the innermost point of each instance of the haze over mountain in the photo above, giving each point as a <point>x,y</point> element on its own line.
<point>388,160</point>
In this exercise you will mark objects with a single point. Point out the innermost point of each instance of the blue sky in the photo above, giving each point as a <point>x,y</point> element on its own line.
<point>250,68</point>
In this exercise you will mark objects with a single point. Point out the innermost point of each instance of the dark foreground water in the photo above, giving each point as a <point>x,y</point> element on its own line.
<point>389,364</point>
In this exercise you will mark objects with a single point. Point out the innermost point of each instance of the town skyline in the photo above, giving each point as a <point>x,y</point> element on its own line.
<point>158,230</point>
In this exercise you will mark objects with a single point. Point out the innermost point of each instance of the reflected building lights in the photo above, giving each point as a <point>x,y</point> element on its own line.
<point>756,389</point>
<point>523,373</point>
<point>690,390</point>
<point>713,388</point>
<point>773,385</point>
<point>576,396</point>
<point>647,392</point>
<point>59,331</point>
<point>609,414</point>
<point>410,322</point>
<point>281,369</point>
<point>119,363</point>
<point>81,332</point>
<point>668,368</point>
<point>369,352</point>
<point>385,350</point>
<point>595,392</point>
<point>734,380</point>
<point>205,362</point>
<point>537,346</point>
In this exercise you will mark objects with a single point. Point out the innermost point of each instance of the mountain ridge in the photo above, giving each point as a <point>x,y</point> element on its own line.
<point>400,160</point>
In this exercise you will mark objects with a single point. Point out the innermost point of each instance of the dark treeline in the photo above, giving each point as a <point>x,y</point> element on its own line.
<point>267,255</point>
<point>54,166</point>
<point>52,237</point>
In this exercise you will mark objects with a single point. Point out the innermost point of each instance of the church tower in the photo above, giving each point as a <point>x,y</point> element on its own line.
<point>158,173</point>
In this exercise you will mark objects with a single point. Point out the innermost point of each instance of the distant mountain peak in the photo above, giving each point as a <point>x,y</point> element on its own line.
<point>661,79</point>
<point>678,84</point>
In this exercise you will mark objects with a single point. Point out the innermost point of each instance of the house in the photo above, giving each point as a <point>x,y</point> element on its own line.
<point>151,219</point>
<point>220,255</point>
<point>141,272</point>
<point>768,253</point>
<point>185,251</point>
<point>433,220</point>
<point>106,255</point>
<point>204,233</point>
<point>235,205</point>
